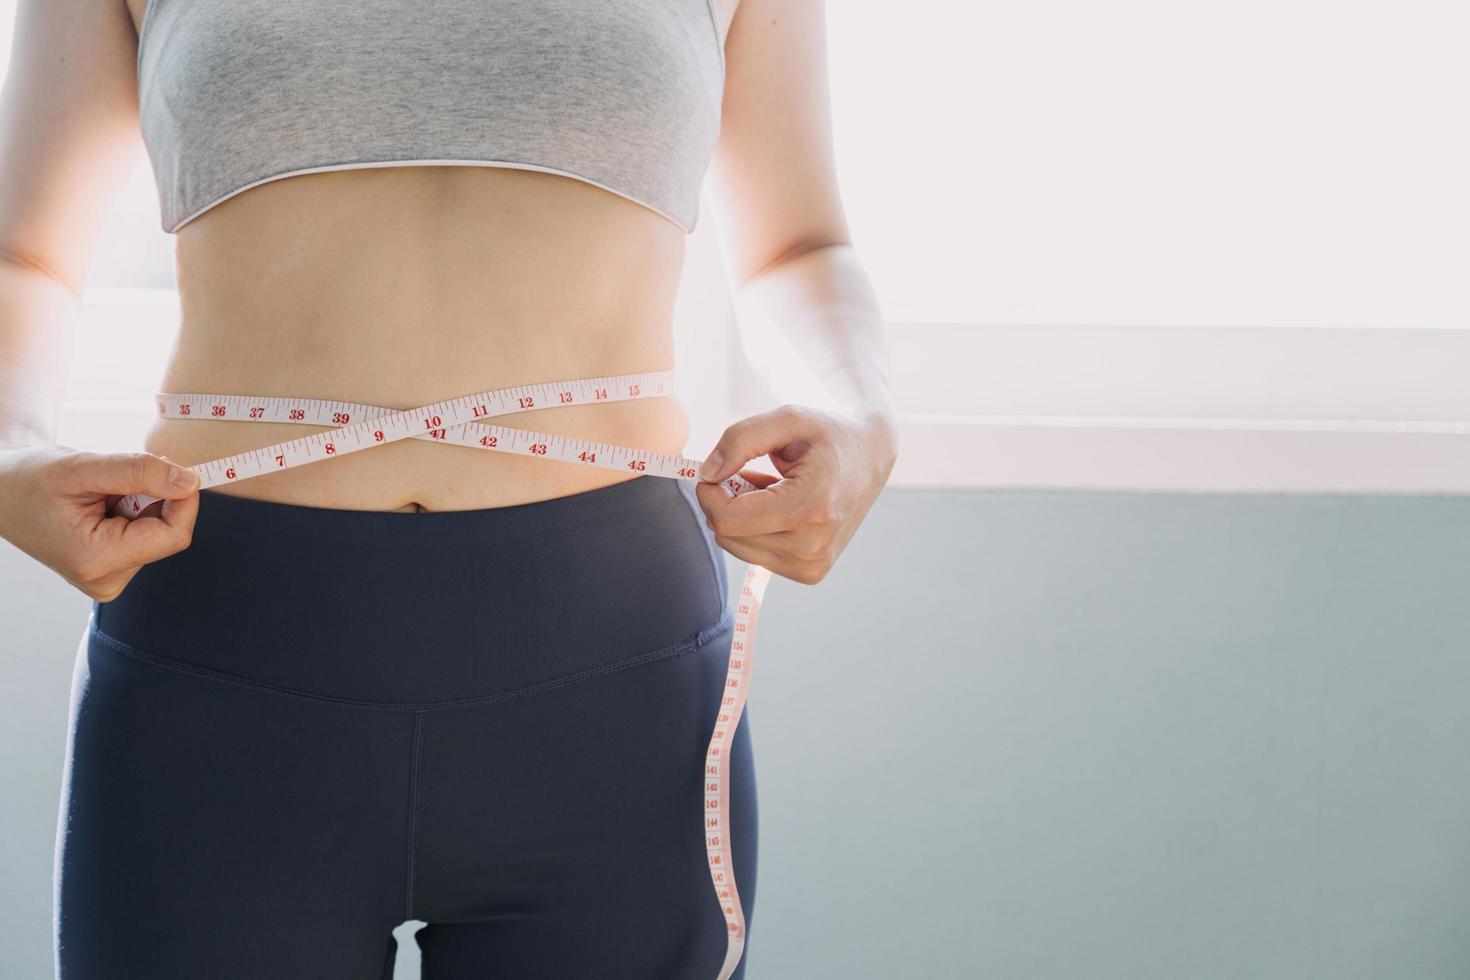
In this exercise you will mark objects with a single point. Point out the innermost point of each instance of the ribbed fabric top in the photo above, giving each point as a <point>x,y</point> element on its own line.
<point>622,94</point>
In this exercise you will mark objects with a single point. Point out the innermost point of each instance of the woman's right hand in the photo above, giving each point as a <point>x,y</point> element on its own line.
<point>56,502</point>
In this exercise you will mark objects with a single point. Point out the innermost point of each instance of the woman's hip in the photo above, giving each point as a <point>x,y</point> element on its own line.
<point>421,608</point>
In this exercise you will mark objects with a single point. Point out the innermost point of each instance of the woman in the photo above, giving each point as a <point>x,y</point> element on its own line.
<point>419,682</point>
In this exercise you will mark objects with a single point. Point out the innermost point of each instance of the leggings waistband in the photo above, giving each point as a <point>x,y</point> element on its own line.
<point>423,608</point>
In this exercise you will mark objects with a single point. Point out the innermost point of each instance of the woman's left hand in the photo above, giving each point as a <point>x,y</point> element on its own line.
<point>832,466</point>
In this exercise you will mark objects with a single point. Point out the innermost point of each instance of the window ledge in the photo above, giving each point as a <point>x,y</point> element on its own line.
<point>1183,455</point>
<point>1210,408</point>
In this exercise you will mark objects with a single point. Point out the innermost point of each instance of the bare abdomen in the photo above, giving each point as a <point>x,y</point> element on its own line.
<point>405,286</point>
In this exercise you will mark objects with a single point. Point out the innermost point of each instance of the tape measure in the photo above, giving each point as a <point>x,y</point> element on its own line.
<point>462,422</point>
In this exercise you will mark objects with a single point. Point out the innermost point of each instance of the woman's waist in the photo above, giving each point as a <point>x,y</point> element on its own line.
<point>413,475</point>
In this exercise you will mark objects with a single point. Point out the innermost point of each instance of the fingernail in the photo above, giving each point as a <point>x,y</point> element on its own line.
<point>182,478</point>
<point>712,465</point>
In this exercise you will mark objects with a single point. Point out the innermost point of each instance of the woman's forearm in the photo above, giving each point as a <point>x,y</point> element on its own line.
<point>36,317</point>
<point>822,301</point>
<point>833,448</point>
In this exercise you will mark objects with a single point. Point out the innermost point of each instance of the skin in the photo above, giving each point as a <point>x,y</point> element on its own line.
<point>308,285</point>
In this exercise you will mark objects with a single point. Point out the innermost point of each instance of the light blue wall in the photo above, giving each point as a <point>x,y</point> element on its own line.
<point>1045,735</point>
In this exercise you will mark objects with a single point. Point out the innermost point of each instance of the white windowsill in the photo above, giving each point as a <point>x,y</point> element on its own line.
<point>1205,408</point>
<point>1214,456</point>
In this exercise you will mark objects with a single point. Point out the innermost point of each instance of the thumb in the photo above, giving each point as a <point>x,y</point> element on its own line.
<point>756,436</point>
<point>145,473</point>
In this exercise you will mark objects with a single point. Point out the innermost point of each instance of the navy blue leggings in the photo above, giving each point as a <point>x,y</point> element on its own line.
<point>315,724</point>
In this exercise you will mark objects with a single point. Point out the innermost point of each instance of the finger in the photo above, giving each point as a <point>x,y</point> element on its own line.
<point>749,553</point>
<point>169,533</point>
<point>761,479</point>
<point>784,505</point>
<point>130,543</point>
<point>807,573</point>
<point>797,546</point>
<point>151,510</point>
<point>788,428</point>
<point>109,588</point>
<point>124,473</point>
<point>728,489</point>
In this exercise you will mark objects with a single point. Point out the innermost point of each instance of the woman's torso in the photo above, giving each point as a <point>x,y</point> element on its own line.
<point>404,285</point>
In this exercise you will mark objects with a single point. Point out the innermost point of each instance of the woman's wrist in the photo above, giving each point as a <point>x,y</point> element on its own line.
<point>10,454</point>
<point>13,453</point>
<point>878,419</point>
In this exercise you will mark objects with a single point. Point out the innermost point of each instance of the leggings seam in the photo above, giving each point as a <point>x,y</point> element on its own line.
<point>690,645</point>
<point>696,513</point>
<point>414,768</point>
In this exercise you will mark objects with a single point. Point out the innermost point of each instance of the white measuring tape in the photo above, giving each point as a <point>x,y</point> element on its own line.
<point>461,422</point>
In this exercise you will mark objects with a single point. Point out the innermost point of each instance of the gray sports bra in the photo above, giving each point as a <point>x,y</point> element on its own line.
<point>622,94</point>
